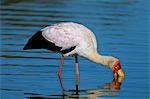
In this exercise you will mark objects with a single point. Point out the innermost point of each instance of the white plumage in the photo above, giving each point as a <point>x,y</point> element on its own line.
<point>70,34</point>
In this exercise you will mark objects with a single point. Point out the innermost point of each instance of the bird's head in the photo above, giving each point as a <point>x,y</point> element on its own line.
<point>116,69</point>
<point>114,64</point>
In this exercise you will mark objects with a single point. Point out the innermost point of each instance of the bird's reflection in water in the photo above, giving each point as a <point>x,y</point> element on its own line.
<point>109,89</point>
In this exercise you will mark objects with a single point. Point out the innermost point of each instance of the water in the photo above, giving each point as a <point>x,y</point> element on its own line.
<point>121,28</point>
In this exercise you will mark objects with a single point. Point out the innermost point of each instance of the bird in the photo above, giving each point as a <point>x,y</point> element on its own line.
<point>72,39</point>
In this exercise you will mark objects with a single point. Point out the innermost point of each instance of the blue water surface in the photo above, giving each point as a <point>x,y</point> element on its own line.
<point>121,29</point>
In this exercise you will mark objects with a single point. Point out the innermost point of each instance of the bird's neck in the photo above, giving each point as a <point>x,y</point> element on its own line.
<point>104,60</point>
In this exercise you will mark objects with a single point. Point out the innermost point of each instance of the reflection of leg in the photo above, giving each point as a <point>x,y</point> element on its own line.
<point>59,74</point>
<point>77,73</point>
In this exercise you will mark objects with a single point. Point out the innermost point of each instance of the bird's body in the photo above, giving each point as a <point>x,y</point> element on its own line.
<point>65,36</point>
<point>70,38</point>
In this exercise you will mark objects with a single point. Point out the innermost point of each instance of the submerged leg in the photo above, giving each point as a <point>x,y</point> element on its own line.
<point>59,74</point>
<point>77,73</point>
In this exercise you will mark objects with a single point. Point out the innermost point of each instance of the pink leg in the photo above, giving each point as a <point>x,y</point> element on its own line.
<point>59,74</point>
<point>77,74</point>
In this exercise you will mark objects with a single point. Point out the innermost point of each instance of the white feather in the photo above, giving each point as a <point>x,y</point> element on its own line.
<point>71,34</point>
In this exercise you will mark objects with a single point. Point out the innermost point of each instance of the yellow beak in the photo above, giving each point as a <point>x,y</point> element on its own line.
<point>120,73</point>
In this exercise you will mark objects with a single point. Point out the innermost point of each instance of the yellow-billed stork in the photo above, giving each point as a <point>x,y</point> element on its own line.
<point>72,39</point>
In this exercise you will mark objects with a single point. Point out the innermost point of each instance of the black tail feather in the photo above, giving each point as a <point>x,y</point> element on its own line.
<point>34,42</point>
<point>37,41</point>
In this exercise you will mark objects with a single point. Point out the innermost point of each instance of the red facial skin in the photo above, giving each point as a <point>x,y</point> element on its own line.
<point>116,67</point>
